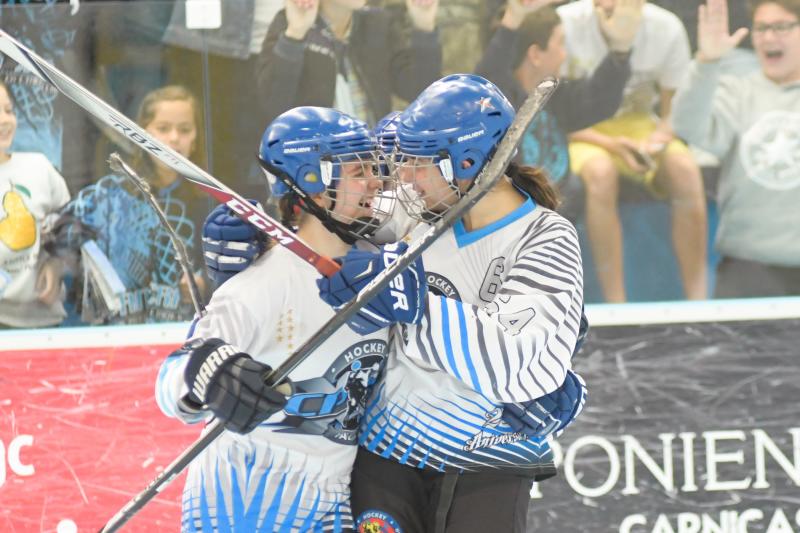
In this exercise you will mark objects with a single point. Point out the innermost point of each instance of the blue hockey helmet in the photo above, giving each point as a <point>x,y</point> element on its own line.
<point>303,152</point>
<point>298,147</point>
<point>385,131</point>
<point>385,134</point>
<point>459,119</point>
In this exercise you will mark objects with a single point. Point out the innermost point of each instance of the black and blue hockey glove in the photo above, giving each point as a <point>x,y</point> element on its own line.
<point>230,245</point>
<point>551,413</point>
<point>231,385</point>
<point>402,301</point>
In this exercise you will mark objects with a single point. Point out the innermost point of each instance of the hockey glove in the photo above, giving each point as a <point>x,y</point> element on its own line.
<point>551,413</point>
<point>402,301</point>
<point>231,385</point>
<point>229,244</point>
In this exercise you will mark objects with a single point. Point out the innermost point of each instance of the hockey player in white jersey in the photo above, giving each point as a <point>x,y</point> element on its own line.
<point>502,320</point>
<point>285,463</point>
<point>534,419</point>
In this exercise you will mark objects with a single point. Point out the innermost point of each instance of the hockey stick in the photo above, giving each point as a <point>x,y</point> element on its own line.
<point>121,167</point>
<point>105,113</point>
<point>488,177</point>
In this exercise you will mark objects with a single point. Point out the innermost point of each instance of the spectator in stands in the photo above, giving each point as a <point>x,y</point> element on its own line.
<point>740,61</point>
<point>463,27</point>
<point>219,64</point>
<point>31,193</point>
<point>58,34</point>
<point>686,10</point>
<point>126,228</point>
<point>635,143</point>
<point>533,34</point>
<point>337,53</point>
<point>751,123</point>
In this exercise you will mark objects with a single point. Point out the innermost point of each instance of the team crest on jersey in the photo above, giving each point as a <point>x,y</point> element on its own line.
<point>441,286</point>
<point>374,521</point>
<point>339,399</point>
<point>489,435</point>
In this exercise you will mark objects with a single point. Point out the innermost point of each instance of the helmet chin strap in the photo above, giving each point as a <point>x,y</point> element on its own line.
<point>307,204</point>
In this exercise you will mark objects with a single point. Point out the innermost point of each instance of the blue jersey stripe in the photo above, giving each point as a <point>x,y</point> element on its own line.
<point>223,525</point>
<point>291,514</point>
<point>448,346</point>
<point>306,526</point>
<point>275,506</point>
<point>462,328</point>
<point>162,387</point>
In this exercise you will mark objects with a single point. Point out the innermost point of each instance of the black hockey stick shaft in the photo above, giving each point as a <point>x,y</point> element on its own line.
<point>119,166</point>
<point>251,214</point>
<point>487,179</point>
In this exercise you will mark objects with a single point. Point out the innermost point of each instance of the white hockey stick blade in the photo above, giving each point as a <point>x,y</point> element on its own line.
<point>108,115</point>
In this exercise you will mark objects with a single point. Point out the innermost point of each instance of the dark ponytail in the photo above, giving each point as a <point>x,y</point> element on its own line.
<point>289,209</point>
<point>536,184</point>
<point>290,218</point>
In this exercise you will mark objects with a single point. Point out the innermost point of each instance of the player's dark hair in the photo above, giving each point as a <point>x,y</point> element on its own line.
<point>289,208</point>
<point>792,6</point>
<point>536,28</point>
<point>534,181</point>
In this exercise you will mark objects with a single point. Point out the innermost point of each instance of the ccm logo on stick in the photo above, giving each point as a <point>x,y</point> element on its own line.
<point>12,457</point>
<point>256,219</point>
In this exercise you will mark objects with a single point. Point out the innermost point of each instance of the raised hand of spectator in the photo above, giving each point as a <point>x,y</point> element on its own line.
<point>48,281</point>
<point>300,16</point>
<point>423,13</point>
<point>619,27</point>
<point>517,10</point>
<point>714,38</point>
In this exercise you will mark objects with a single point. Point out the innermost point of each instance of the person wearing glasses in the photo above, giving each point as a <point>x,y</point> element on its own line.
<point>752,124</point>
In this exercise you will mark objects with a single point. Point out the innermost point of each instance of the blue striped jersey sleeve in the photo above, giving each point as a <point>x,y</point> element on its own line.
<point>518,347</point>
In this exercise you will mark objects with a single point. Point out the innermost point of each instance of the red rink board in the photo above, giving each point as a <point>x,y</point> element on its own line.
<point>81,434</point>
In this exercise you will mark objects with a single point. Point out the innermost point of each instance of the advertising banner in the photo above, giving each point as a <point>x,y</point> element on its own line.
<point>80,435</point>
<point>688,429</point>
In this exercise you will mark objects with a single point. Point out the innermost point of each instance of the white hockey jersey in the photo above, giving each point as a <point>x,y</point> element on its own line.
<point>291,473</point>
<point>503,314</point>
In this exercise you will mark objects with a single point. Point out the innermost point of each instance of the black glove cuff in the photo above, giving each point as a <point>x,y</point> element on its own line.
<point>205,362</point>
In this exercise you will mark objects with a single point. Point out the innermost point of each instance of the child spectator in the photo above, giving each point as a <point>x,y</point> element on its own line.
<point>635,143</point>
<point>751,123</point>
<point>128,231</point>
<point>31,193</point>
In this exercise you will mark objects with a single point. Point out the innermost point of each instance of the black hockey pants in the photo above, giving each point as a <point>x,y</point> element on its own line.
<point>388,496</point>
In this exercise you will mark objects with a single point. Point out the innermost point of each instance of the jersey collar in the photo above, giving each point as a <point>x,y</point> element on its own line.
<point>465,238</point>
